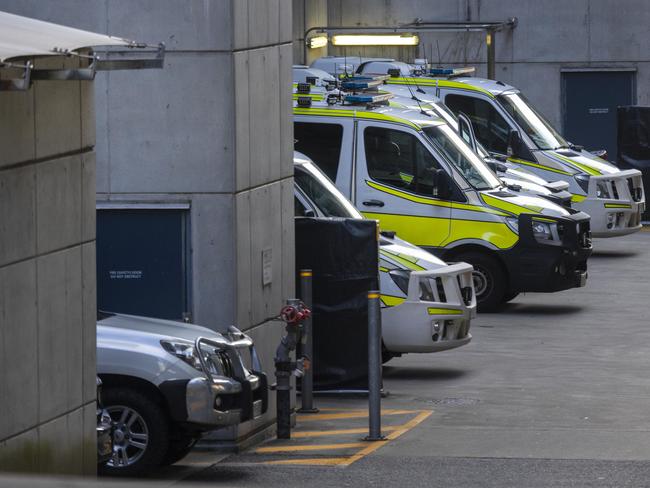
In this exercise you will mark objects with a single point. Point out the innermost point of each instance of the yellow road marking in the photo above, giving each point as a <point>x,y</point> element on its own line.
<point>322,433</point>
<point>393,435</point>
<point>352,414</point>
<point>317,461</point>
<point>322,447</point>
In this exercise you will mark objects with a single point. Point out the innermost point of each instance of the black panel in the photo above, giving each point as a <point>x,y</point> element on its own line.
<point>344,255</point>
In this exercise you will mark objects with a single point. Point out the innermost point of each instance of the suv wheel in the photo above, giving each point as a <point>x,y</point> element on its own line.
<point>140,432</point>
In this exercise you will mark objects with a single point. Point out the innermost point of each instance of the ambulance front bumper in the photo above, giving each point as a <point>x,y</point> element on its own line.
<point>537,266</point>
<point>436,314</point>
<point>620,214</point>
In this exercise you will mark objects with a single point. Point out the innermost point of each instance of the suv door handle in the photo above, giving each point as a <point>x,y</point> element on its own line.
<point>373,203</point>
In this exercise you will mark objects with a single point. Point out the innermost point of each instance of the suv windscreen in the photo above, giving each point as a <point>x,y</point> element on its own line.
<point>531,122</point>
<point>329,201</point>
<point>473,168</point>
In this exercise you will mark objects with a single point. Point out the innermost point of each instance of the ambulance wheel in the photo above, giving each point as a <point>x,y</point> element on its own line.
<point>489,280</point>
<point>386,355</point>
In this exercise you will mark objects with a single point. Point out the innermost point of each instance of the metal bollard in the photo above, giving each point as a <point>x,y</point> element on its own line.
<point>374,367</point>
<point>307,342</point>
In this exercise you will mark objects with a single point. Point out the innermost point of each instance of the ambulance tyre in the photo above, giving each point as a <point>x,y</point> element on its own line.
<point>511,295</point>
<point>386,355</point>
<point>490,280</point>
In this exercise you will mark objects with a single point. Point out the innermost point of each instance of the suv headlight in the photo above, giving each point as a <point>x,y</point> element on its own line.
<point>601,190</point>
<point>544,231</point>
<point>583,181</point>
<point>184,351</point>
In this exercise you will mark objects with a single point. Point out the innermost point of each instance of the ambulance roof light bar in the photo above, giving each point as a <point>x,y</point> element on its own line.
<point>452,72</point>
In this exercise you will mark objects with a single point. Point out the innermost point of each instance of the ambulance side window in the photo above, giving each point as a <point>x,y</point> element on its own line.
<point>321,143</point>
<point>490,127</point>
<point>399,159</point>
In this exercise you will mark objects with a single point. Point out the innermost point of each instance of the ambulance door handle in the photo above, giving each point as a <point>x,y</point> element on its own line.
<point>373,203</point>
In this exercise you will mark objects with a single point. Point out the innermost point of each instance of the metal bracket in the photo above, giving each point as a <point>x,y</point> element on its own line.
<point>105,61</point>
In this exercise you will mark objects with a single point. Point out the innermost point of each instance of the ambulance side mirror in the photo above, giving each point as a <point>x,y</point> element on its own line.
<point>442,185</point>
<point>515,145</point>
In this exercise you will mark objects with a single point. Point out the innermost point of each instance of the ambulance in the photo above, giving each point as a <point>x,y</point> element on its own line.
<point>414,173</point>
<point>426,304</point>
<point>511,129</point>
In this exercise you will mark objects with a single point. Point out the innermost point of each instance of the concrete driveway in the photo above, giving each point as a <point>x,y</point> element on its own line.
<point>554,391</point>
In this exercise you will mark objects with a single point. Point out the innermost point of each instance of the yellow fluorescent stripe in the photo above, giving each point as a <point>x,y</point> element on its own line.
<point>495,233</point>
<point>436,82</point>
<point>373,295</point>
<point>393,435</point>
<point>353,414</point>
<point>583,167</point>
<point>540,219</point>
<point>540,166</point>
<point>617,205</point>
<point>443,311</point>
<point>391,301</point>
<point>315,462</point>
<point>403,260</point>
<point>383,269</point>
<point>430,201</point>
<point>325,433</point>
<point>313,96</point>
<point>507,206</point>
<point>318,447</point>
<point>422,231</point>
<point>578,198</point>
<point>360,114</point>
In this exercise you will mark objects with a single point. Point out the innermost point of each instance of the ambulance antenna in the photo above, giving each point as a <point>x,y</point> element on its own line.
<point>417,100</point>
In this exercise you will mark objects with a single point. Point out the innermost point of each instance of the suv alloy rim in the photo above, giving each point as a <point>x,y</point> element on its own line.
<point>130,436</point>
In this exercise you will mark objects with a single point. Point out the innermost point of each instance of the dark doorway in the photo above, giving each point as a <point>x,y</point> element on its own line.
<point>142,262</point>
<point>589,102</point>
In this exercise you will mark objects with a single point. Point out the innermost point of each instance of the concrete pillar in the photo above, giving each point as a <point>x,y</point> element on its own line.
<point>47,277</point>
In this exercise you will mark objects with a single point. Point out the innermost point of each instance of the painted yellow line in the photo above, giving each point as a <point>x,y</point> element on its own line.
<point>348,415</point>
<point>315,462</point>
<point>320,447</point>
<point>324,433</point>
<point>393,435</point>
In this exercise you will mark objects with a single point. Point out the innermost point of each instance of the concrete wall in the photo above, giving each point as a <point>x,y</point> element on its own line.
<point>307,14</point>
<point>551,35</point>
<point>213,128</point>
<point>47,277</point>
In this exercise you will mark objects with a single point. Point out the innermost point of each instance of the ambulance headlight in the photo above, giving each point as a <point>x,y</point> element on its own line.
<point>513,223</point>
<point>543,231</point>
<point>601,190</point>
<point>583,181</point>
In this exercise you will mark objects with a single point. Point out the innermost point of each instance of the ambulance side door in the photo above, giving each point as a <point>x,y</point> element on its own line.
<point>328,142</point>
<point>397,183</point>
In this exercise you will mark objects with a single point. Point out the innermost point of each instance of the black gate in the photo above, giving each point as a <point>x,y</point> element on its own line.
<point>142,262</point>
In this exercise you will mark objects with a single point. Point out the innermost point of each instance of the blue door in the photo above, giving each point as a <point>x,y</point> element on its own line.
<point>589,103</point>
<point>141,262</point>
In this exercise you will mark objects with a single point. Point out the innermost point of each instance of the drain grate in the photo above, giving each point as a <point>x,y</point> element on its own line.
<point>449,402</point>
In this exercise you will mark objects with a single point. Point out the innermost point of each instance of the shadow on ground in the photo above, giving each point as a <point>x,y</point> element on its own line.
<point>541,309</point>
<point>406,373</point>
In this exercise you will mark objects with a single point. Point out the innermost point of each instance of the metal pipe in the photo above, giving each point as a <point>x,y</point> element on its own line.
<point>307,343</point>
<point>374,367</point>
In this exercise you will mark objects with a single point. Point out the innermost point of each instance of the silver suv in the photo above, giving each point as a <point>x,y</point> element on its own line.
<point>166,382</point>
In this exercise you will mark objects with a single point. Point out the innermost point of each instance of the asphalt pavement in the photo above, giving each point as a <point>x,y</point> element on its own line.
<point>552,391</point>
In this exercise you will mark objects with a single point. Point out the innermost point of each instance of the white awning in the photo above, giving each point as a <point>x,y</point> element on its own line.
<point>23,37</point>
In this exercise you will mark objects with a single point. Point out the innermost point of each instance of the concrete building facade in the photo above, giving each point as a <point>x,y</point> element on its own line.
<point>47,276</point>
<point>211,135</point>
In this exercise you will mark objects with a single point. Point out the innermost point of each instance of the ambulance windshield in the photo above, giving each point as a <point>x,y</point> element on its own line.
<point>473,168</point>
<point>531,122</point>
<point>322,192</point>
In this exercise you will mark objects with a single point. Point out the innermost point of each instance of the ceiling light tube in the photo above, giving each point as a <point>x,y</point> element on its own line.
<point>317,42</point>
<point>375,40</point>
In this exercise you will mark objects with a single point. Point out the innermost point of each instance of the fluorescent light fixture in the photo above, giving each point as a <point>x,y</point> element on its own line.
<point>375,40</point>
<point>316,42</point>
